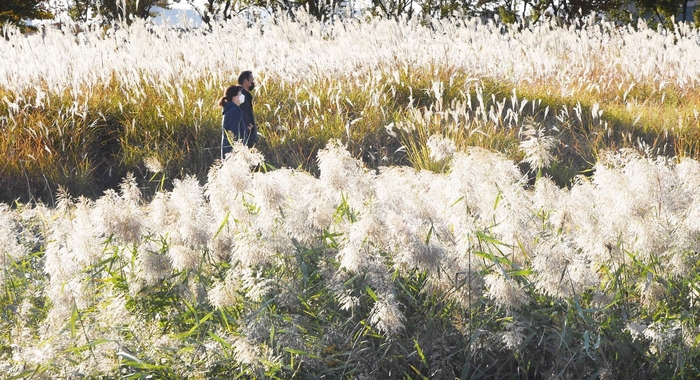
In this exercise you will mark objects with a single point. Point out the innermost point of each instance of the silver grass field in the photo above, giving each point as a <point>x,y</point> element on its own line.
<point>464,266</point>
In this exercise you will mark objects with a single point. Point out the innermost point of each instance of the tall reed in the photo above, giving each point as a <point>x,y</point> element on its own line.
<point>357,274</point>
<point>81,111</point>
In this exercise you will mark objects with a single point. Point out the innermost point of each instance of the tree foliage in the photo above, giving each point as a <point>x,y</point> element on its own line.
<point>16,11</point>
<point>569,9</point>
<point>508,11</point>
<point>655,12</point>
<point>111,10</point>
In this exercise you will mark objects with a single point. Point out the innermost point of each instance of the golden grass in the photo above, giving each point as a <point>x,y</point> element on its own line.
<point>88,142</point>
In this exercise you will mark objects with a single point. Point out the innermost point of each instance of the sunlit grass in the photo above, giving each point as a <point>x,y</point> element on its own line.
<point>90,143</point>
<point>407,273</point>
<point>397,218</point>
<point>84,127</point>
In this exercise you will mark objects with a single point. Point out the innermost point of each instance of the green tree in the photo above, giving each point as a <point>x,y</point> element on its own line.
<point>662,11</point>
<point>399,8</point>
<point>566,10</point>
<point>211,10</point>
<point>112,10</point>
<point>317,8</point>
<point>656,12</point>
<point>16,11</point>
<point>447,8</point>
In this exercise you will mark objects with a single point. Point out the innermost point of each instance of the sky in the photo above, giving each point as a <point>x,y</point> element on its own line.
<point>179,12</point>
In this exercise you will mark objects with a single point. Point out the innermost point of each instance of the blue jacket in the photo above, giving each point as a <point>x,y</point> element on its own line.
<point>247,109</point>
<point>232,121</point>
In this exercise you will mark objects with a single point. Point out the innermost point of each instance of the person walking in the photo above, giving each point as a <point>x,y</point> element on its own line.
<point>232,120</point>
<point>247,82</point>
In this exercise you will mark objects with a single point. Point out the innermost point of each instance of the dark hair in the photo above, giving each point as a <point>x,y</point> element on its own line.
<point>230,92</point>
<point>244,75</point>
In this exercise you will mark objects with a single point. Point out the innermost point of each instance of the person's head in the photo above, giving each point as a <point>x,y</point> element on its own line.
<point>246,80</point>
<point>231,95</point>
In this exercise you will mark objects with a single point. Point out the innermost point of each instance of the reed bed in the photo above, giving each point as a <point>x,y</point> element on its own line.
<point>452,199</point>
<point>403,273</point>
<point>81,110</point>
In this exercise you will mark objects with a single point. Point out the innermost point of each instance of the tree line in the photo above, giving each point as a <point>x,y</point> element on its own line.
<point>665,12</point>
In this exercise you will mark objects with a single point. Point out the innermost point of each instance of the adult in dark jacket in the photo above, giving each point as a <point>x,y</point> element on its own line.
<point>232,120</point>
<point>247,82</point>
